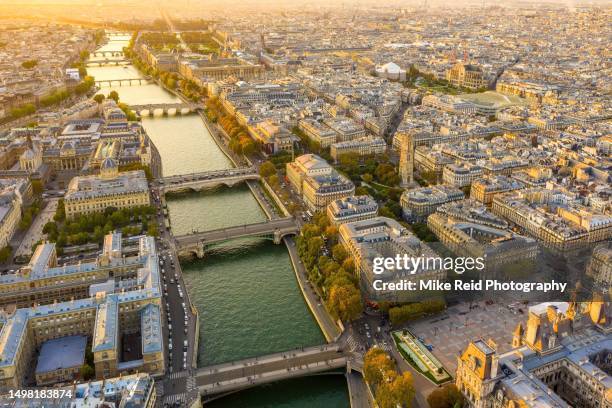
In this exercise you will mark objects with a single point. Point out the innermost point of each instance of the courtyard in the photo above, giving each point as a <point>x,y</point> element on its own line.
<point>450,332</point>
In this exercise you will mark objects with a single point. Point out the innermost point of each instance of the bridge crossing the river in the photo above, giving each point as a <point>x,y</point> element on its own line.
<point>218,380</point>
<point>166,108</point>
<point>196,243</point>
<point>208,179</point>
<point>122,81</point>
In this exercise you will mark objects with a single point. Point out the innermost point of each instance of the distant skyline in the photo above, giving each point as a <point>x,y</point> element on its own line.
<point>248,3</point>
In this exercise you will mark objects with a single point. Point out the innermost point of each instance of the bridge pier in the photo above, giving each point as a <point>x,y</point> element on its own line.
<point>193,251</point>
<point>278,238</point>
<point>200,251</point>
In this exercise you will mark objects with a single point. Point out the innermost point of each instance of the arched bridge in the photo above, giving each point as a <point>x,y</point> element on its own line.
<point>107,54</point>
<point>222,379</point>
<point>111,62</point>
<point>208,179</point>
<point>195,244</point>
<point>149,109</point>
<point>123,81</point>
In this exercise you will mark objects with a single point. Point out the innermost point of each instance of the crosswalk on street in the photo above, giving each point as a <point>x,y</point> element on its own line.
<point>178,374</point>
<point>171,399</point>
<point>353,344</point>
<point>191,383</point>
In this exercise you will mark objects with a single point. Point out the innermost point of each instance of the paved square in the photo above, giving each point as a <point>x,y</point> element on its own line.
<point>451,332</point>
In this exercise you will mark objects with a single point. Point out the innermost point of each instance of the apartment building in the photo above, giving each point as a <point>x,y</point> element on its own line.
<point>487,187</point>
<point>318,132</point>
<point>468,229</point>
<point>272,136</point>
<point>382,237</point>
<point>346,129</point>
<point>351,209</point>
<point>461,174</point>
<point>363,147</point>
<point>420,202</point>
<point>600,265</point>
<point>14,194</point>
<point>317,182</point>
<point>553,217</point>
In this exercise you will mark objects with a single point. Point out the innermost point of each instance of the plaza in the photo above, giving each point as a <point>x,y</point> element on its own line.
<point>450,332</point>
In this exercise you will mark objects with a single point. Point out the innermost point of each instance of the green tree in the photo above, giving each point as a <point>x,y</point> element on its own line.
<point>339,253</point>
<point>22,111</point>
<point>349,159</point>
<point>99,98</point>
<point>29,64</point>
<point>26,221</point>
<point>37,187</point>
<point>345,302</point>
<point>82,71</point>
<point>50,228</point>
<point>361,190</point>
<point>87,372</point>
<point>114,95</point>
<point>447,396</point>
<point>267,169</point>
<point>152,230</point>
<point>5,253</point>
<point>395,391</point>
<point>60,212</point>
<point>375,363</point>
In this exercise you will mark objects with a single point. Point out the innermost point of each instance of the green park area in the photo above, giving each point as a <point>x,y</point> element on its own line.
<point>91,229</point>
<point>419,357</point>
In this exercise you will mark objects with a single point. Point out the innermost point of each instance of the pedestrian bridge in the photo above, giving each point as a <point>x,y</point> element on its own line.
<point>222,379</point>
<point>150,109</point>
<point>208,179</point>
<point>195,244</point>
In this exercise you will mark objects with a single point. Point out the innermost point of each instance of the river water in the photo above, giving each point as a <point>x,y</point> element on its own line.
<point>245,291</point>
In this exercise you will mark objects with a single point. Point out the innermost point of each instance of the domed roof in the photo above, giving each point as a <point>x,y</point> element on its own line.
<point>108,163</point>
<point>69,145</point>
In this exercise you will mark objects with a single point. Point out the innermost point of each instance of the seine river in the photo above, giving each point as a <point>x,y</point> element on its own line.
<point>245,291</point>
